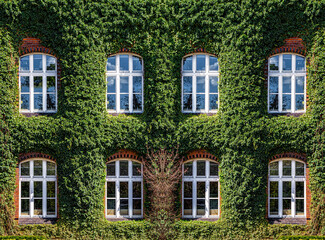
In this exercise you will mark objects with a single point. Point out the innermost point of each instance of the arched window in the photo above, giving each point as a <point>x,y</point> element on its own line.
<point>287,83</point>
<point>200,189</point>
<point>124,189</point>
<point>200,79</point>
<point>38,189</point>
<point>38,83</point>
<point>124,73</point>
<point>287,188</point>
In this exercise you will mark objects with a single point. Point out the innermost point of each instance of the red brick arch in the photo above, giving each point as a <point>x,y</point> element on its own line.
<point>299,156</point>
<point>25,156</point>
<point>123,153</point>
<point>201,154</point>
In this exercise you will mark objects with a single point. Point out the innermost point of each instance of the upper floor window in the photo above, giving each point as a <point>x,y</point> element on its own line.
<point>287,83</point>
<point>124,189</point>
<point>200,189</point>
<point>38,189</point>
<point>200,78</point>
<point>38,83</point>
<point>124,73</point>
<point>287,189</point>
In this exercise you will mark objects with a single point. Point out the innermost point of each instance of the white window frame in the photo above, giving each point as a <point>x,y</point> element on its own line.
<point>130,74</point>
<point>44,179</point>
<point>197,73</point>
<point>130,179</point>
<point>194,179</point>
<point>38,73</point>
<point>285,73</point>
<point>293,179</point>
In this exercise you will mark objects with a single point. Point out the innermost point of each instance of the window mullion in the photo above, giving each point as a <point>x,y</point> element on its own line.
<point>117,201</point>
<point>131,93</point>
<point>44,199</point>
<point>130,183</point>
<point>206,92</point>
<point>207,193</point>
<point>194,197</point>
<point>293,93</point>
<point>118,95</point>
<point>194,94</point>
<point>280,93</point>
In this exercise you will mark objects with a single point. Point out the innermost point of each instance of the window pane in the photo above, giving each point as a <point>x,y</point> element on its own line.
<point>187,102</point>
<point>213,84</point>
<point>286,102</point>
<point>136,169</point>
<point>200,206</point>
<point>38,101</point>
<point>214,65</point>
<point>300,63</point>
<point>274,207</point>
<point>200,84</point>
<point>200,101</point>
<point>300,169</point>
<point>50,206</point>
<point>111,102</point>
<point>300,189</point>
<point>274,102</point>
<point>24,101</point>
<point>300,84</point>
<point>286,189</point>
<point>124,189</point>
<point>200,165</point>
<point>124,85</point>
<point>213,100</point>
<point>50,83</point>
<point>38,168</point>
<point>136,189</point>
<point>274,169</point>
<point>38,65</point>
<point>287,62</point>
<point>300,102</point>
<point>274,85</point>
<point>286,206</point>
<point>24,84</point>
<point>286,84</point>
<point>25,207</point>
<point>124,168</point>
<point>137,84</point>
<point>137,102</point>
<point>274,189</point>
<point>200,188</point>
<point>124,104</point>
<point>110,169</point>
<point>286,168</point>
<point>213,207</point>
<point>24,169</point>
<point>188,169</point>
<point>111,63</point>
<point>300,207</point>
<point>25,190</point>
<point>188,189</point>
<point>187,85</point>
<point>111,84</point>
<point>124,207</point>
<point>111,190</point>
<point>213,169</point>
<point>136,206</point>
<point>214,190</point>
<point>50,168</point>
<point>137,64</point>
<point>188,206</point>
<point>200,62</point>
<point>38,189</point>
<point>50,101</point>
<point>124,62</point>
<point>24,63</point>
<point>274,63</point>
<point>50,63</point>
<point>187,64</point>
<point>50,188</point>
<point>111,207</point>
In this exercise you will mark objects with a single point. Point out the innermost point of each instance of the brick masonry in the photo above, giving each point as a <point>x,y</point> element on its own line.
<point>124,154</point>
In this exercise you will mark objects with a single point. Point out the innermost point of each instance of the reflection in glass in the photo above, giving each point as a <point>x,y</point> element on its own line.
<point>24,169</point>
<point>38,64</point>
<point>274,168</point>
<point>124,189</point>
<point>200,165</point>
<point>187,64</point>
<point>111,189</point>
<point>110,169</point>
<point>50,83</point>
<point>124,84</point>
<point>187,84</point>
<point>38,84</point>
<point>50,189</point>
<point>300,84</point>
<point>286,187</point>
<point>188,206</point>
<point>136,169</point>
<point>274,85</point>
<point>124,207</point>
<point>188,169</point>
<point>24,98</point>
<point>111,102</point>
<point>50,101</point>
<point>38,168</point>
<point>300,169</point>
<point>200,206</point>
<point>24,63</point>
<point>200,101</point>
<point>213,101</point>
<point>137,189</point>
<point>137,84</point>
<point>111,63</point>
<point>286,102</point>
<point>213,84</point>
<point>200,62</point>
<point>300,63</point>
<point>200,188</point>
<point>24,84</point>
<point>213,169</point>
<point>188,190</point>
<point>124,104</point>
<point>50,206</point>
<point>38,101</point>
<point>300,102</point>
<point>287,62</point>
<point>214,192</point>
<point>25,207</point>
<point>274,63</point>
<point>124,62</point>
<point>137,64</point>
<point>50,63</point>
<point>274,189</point>
<point>200,84</point>
<point>111,84</point>
<point>137,102</point>
<point>187,102</point>
<point>136,206</point>
<point>300,189</point>
<point>213,207</point>
<point>274,102</point>
<point>286,85</point>
<point>300,207</point>
<point>24,189</point>
<point>124,168</point>
<point>286,206</point>
<point>38,189</point>
<point>111,207</point>
<point>274,206</point>
<point>213,63</point>
<point>286,168</point>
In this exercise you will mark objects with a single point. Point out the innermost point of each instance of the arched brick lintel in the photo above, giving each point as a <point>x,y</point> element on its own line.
<point>200,50</point>
<point>31,45</point>
<point>299,156</point>
<point>25,156</point>
<point>123,153</point>
<point>293,45</point>
<point>201,154</point>
<point>124,50</point>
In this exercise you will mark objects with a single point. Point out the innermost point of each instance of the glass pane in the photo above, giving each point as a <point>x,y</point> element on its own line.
<point>287,62</point>
<point>188,206</point>
<point>24,84</point>
<point>213,63</point>
<point>50,83</point>
<point>213,100</point>
<point>124,104</point>
<point>286,168</point>
<point>286,102</point>
<point>50,188</point>
<point>274,169</point>
<point>110,170</point>
<point>300,169</point>
<point>124,207</point>
<point>213,169</point>
<point>137,64</point>
<point>111,102</point>
<point>136,169</point>
<point>286,206</point>
<point>124,85</point>
<point>124,189</point>
<point>187,102</point>
<point>274,63</point>
<point>300,63</point>
<point>300,189</point>
<point>274,189</point>
<point>188,189</point>
<point>137,84</point>
<point>38,168</point>
<point>213,207</point>
<point>50,206</point>
<point>274,102</point>
<point>300,103</point>
<point>111,207</point>
<point>200,188</point>
<point>200,165</point>
<point>124,168</point>
<point>136,189</point>
<point>200,84</point>
<point>38,101</point>
<point>38,189</point>
<point>24,63</point>
<point>111,189</point>
<point>286,84</point>
<point>111,84</point>
<point>300,207</point>
<point>214,190</point>
<point>24,169</point>
<point>200,101</point>
<point>200,206</point>
<point>50,63</point>
<point>50,101</point>
<point>24,101</point>
<point>50,168</point>
<point>111,63</point>
<point>187,85</point>
<point>137,102</point>
<point>38,65</point>
<point>286,189</point>
<point>25,190</point>
<point>136,206</point>
<point>25,207</point>
<point>124,62</point>
<point>200,62</point>
<point>187,64</point>
<point>274,207</point>
<point>188,169</point>
<point>274,85</point>
<point>213,84</point>
<point>300,84</point>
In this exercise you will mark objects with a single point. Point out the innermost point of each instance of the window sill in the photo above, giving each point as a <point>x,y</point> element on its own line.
<point>211,219</point>
<point>36,220</point>
<point>35,114</point>
<point>288,220</point>
<point>114,219</point>
<point>289,114</point>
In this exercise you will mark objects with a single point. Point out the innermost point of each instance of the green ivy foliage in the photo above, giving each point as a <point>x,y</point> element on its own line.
<point>82,135</point>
